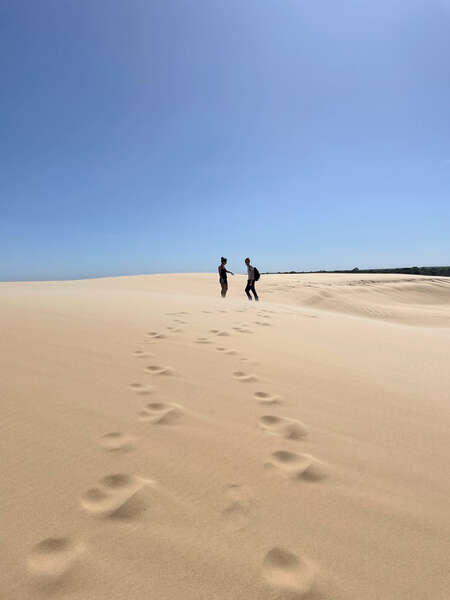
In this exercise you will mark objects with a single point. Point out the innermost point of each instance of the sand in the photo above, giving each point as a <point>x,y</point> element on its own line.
<point>160,442</point>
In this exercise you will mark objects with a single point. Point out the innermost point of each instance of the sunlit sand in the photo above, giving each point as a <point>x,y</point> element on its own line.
<point>159,441</point>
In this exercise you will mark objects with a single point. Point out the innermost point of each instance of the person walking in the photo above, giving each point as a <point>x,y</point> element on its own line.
<point>223,280</point>
<point>250,281</point>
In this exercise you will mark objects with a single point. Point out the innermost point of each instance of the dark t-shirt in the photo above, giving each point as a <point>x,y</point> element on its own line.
<point>223,273</point>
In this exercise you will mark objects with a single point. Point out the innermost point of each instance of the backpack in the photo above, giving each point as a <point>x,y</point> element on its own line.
<point>256,273</point>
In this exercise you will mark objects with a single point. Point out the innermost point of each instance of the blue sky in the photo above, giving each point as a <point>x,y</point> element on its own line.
<point>155,136</point>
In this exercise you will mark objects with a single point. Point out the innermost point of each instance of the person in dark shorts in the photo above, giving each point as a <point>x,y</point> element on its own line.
<point>250,281</point>
<point>223,276</point>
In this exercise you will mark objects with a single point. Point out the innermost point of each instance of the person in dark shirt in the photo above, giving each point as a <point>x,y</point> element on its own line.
<point>223,276</point>
<point>250,280</point>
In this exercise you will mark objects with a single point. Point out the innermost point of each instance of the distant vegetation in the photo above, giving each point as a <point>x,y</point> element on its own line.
<point>435,271</point>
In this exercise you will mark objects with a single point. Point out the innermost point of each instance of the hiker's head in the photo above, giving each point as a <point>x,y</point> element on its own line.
<point>223,260</point>
<point>247,261</point>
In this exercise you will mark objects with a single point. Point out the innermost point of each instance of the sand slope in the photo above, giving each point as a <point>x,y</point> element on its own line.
<point>160,442</point>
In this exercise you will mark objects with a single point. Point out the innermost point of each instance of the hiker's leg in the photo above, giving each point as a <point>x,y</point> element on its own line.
<point>253,290</point>
<point>248,288</point>
<point>224,289</point>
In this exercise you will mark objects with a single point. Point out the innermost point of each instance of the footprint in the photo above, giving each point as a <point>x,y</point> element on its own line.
<point>265,398</point>
<point>239,505</point>
<point>298,466</point>
<point>142,354</point>
<point>288,573</point>
<point>284,427</point>
<point>223,333</point>
<point>263,324</point>
<point>112,494</point>
<point>157,370</point>
<point>243,330</point>
<point>202,340</point>
<point>244,377</point>
<point>155,335</point>
<point>225,351</point>
<point>141,389</point>
<point>161,413</point>
<point>115,441</point>
<point>53,557</point>
<point>214,331</point>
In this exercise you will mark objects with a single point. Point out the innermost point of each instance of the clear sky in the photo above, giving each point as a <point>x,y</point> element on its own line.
<point>142,136</point>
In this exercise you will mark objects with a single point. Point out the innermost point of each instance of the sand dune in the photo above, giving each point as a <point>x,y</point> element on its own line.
<point>160,442</point>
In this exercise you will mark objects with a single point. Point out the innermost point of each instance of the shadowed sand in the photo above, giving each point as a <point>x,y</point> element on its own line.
<point>152,448</point>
